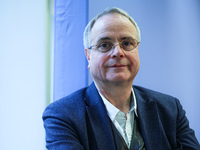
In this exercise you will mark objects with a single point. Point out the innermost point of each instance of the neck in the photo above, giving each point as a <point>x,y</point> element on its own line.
<point>117,94</point>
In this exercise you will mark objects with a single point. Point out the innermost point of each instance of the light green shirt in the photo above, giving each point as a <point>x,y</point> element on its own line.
<point>123,125</point>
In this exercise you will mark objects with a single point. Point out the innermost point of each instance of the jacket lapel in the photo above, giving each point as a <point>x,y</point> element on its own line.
<point>149,121</point>
<point>99,119</point>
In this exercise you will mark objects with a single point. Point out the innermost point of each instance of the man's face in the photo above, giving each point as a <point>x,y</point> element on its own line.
<point>116,65</point>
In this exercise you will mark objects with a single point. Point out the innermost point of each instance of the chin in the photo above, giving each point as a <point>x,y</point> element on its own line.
<point>119,79</point>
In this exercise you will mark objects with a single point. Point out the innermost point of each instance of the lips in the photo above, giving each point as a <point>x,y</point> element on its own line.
<point>118,65</point>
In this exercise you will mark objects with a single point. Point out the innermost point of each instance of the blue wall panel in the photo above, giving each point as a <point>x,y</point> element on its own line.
<point>70,66</point>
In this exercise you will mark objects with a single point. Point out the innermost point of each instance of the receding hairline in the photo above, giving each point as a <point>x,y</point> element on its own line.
<point>110,10</point>
<point>114,13</point>
<point>124,18</point>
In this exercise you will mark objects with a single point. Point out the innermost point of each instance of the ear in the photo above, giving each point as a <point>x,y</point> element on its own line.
<point>87,54</point>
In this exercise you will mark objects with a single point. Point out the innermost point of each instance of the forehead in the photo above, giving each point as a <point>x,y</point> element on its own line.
<point>113,26</point>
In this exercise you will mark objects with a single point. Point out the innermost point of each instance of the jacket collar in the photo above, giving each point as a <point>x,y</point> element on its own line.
<point>147,114</point>
<point>99,119</point>
<point>149,120</point>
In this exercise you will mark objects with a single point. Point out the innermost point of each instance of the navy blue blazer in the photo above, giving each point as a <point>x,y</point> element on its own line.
<point>80,121</point>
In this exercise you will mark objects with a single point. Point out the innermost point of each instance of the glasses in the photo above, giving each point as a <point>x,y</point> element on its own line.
<point>105,46</point>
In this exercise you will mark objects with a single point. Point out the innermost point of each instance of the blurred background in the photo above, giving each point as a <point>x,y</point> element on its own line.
<point>25,72</point>
<point>42,58</point>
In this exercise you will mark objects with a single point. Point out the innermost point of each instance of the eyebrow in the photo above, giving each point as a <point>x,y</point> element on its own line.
<point>128,37</point>
<point>108,38</point>
<point>104,38</point>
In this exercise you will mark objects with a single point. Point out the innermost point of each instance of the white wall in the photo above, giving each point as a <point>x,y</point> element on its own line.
<point>22,74</point>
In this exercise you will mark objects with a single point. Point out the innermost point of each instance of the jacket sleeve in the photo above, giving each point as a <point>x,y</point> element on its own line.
<point>186,139</point>
<point>60,131</point>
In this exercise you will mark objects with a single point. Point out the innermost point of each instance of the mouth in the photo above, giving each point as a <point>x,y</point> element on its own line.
<point>118,66</point>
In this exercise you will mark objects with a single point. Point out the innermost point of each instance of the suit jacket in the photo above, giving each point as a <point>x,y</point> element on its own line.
<point>80,121</point>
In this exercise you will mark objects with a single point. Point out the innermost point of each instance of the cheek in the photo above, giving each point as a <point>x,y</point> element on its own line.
<point>98,63</point>
<point>135,61</point>
<point>95,62</point>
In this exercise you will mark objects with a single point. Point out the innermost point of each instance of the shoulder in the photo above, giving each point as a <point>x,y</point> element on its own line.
<point>68,105</point>
<point>171,116</point>
<point>151,93</point>
<point>163,101</point>
<point>72,99</point>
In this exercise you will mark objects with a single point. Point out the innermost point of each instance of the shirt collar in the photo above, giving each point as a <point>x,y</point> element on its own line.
<point>112,110</point>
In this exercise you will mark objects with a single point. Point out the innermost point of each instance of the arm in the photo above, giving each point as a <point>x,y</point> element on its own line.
<point>184,134</point>
<point>60,131</point>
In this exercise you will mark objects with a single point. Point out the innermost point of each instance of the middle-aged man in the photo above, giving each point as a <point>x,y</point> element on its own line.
<point>111,114</point>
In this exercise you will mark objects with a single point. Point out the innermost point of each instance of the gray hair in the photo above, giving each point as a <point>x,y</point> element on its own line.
<point>110,10</point>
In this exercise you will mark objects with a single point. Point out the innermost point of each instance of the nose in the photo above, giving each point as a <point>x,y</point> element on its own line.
<point>117,51</point>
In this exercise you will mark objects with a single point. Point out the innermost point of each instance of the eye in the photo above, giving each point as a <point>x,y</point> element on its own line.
<point>127,43</point>
<point>105,46</point>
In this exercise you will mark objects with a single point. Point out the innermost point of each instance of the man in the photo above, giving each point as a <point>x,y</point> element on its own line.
<point>111,113</point>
